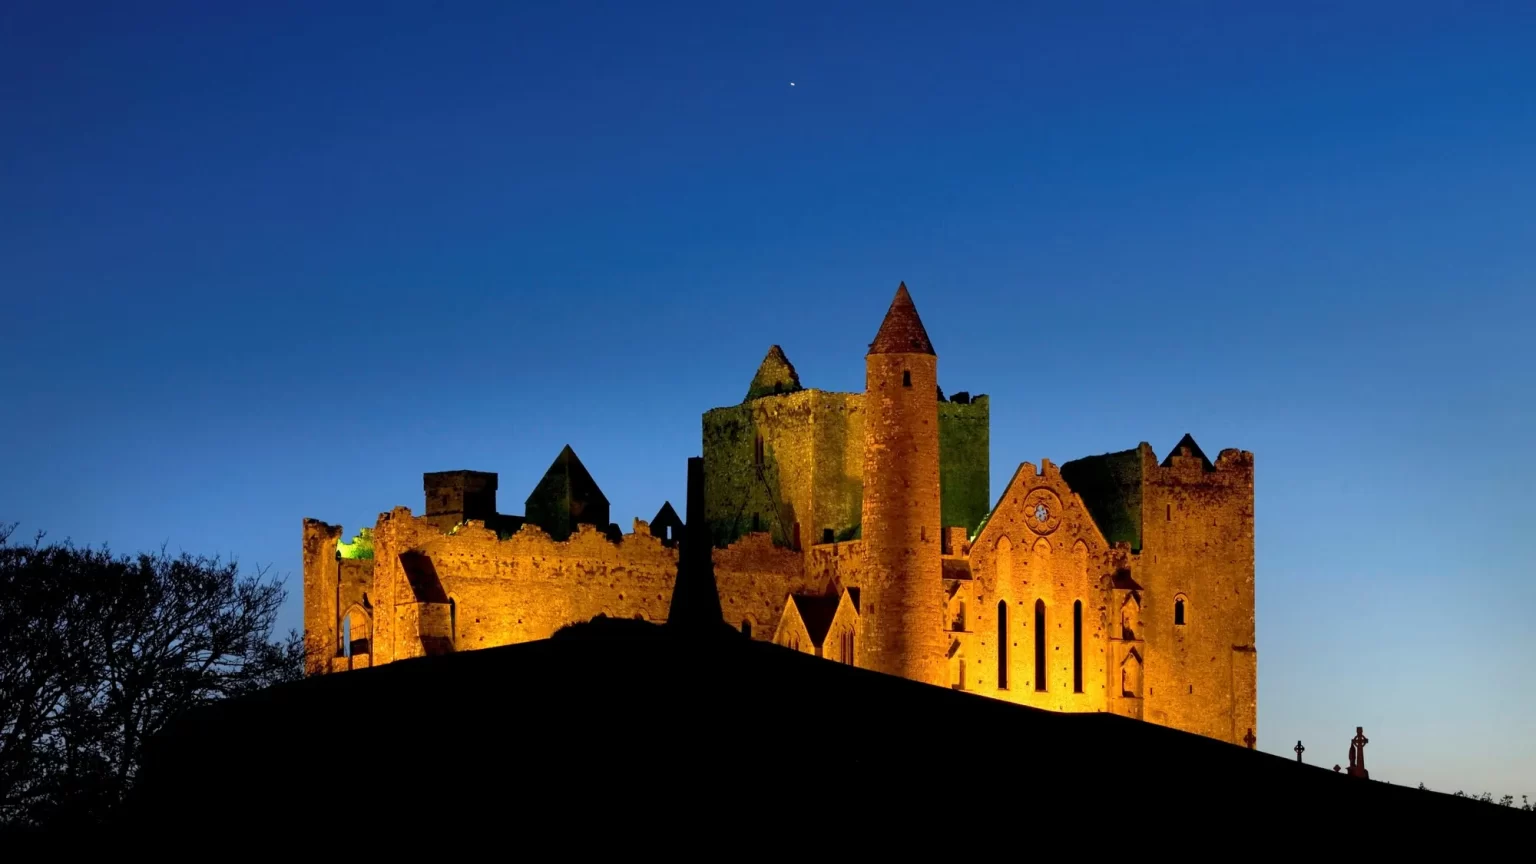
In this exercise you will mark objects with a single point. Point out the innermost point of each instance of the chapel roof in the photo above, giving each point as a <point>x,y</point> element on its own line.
<point>817,613</point>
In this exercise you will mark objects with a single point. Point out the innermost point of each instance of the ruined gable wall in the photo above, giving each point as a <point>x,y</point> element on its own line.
<point>529,586</point>
<point>1061,561</point>
<point>394,602</point>
<point>1197,531</point>
<point>321,576</point>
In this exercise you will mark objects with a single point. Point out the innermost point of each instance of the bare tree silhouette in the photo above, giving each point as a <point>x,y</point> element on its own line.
<point>98,651</point>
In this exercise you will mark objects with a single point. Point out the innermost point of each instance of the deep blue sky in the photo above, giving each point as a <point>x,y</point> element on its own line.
<point>265,263</point>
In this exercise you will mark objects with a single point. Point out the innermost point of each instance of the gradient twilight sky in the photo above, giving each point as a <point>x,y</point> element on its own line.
<point>268,262</point>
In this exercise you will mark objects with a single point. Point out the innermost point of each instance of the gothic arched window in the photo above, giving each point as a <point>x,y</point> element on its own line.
<point>1077,647</point>
<point>1040,645</point>
<point>1002,645</point>
<point>1178,611</point>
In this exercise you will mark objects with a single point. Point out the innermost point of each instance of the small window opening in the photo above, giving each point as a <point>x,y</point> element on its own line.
<point>906,378</point>
<point>757,452</point>
<point>826,535</point>
<point>746,628</point>
<point>1170,512</point>
<point>757,523</point>
<point>453,621</point>
<point>1178,611</point>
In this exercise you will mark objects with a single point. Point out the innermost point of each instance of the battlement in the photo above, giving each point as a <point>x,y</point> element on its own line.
<point>1186,458</point>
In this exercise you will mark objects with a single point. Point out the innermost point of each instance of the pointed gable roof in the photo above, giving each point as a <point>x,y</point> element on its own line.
<point>902,331</point>
<point>1188,443</point>
<point>774,375</point>
<point>667,518</point>
<point>568,472</point>
<point>817,613</point>
<point>565,497</point>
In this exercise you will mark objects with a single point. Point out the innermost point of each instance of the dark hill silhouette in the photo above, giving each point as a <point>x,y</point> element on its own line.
<point>624,721</point>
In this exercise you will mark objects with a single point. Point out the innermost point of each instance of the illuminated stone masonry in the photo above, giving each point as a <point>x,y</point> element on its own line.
<point>857,527</point>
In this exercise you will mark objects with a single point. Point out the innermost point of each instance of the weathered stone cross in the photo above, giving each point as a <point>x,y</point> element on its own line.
<point>1249,739</point>
<point>1360,741</point>
<point>1299,750</point>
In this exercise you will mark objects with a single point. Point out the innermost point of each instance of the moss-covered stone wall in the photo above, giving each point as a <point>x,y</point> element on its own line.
<point>965,463</point>
<point>1110,486</point>
<point>811,471</point>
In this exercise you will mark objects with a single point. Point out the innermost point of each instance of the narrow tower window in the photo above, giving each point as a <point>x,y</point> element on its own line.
<point>1077,647</point>
<point>1002,644</point>
<point>453,622</point>
<point>906,378</point>
<point>746,628</point>
<point>757,452</point>
<point>1178,611</point>
<point>1040,645</point>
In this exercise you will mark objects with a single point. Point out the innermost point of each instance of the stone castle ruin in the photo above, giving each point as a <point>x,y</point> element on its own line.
<point>858,527</point>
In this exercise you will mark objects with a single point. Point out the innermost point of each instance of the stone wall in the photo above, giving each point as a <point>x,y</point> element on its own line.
<point>812,468</point>
<point>468,589</point>
<point>500,592</point>
<point>798,481</point>
<point>831,567</point>
<point>755,576</point>
<point>965,465</point>
<point>1197,532</point>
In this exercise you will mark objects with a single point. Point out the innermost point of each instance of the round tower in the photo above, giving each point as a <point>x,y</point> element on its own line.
<point>902,612</point>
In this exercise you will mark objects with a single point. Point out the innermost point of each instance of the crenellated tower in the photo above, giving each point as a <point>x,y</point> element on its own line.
<point>903,607</point>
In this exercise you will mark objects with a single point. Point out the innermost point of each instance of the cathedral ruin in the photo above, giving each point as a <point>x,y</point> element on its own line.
<point>858,527</point>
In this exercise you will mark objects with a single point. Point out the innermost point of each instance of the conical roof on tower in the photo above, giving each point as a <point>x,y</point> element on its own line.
<point>901,332</point>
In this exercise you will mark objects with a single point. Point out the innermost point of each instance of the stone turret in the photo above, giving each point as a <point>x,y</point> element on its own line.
<point>903,606</point>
